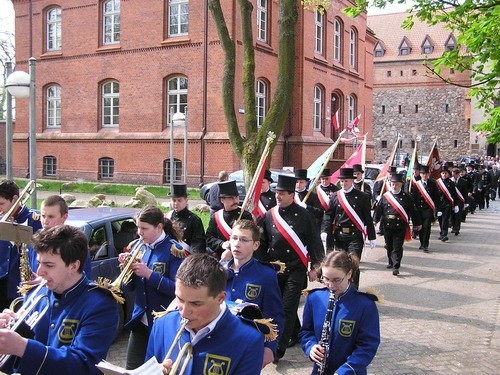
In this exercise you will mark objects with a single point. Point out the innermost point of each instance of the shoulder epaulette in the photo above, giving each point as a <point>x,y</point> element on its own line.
<point>277,266</point>
<point>178,251</point>
<point>159,314</point>
<point>105,285</point>
<point>306,292</point>
<point>373,294</point>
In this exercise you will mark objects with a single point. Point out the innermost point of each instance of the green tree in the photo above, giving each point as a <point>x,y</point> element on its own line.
<point>477,26</point>
<point>249,146</point>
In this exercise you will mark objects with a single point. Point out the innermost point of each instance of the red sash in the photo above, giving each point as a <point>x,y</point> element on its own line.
<point>260,209</point>
<point>401,211</point>
<point>323,197</point>
<point>223,227</point>
<point>444,190</point>
<point>460,196</point>
<point>353,215</point>
<point>425,195</point>
<point>290,236</point>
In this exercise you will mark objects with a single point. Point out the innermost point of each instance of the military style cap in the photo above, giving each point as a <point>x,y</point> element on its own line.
<point>267,176</point>
<point>398,177</point>
<point>346,173</point>
<point>228,189</point>
<point>178,191</point>
<point>301,174</point>
<point>286,183</point>
<point>326,173</point>
<point>358,168</point>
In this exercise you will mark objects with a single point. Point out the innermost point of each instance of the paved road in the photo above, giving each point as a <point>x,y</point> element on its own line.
<point>439,316</point>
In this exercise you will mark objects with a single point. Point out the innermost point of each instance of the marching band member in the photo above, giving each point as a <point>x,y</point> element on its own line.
<point>462,193</point>
<point>221,342</point>
<point>153,277</point>
<point>349,219</point>
<point>448,202</point>
<point>10,277</point>
<point>78,327</point>
<point>221,222</point>
<point>290,235</point>
<point>348,343</point>
<point>193,233</point>
<point>250,280</point>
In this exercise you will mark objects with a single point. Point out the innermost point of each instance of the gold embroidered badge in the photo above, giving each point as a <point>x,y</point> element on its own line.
<point>67,330</point>
<point>252,291</point>
<point>159,267</point>
<point>216,365</point>
<point>346,327</point>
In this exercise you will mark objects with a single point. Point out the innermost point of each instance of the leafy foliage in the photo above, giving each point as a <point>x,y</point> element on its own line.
<point>477,26</point>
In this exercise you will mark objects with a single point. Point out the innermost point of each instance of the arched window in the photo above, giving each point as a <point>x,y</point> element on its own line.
<point>319,24</point>
<point>111,22</point>
<point>49,166</point>
<point>177,96</point>
<point>106,169</point>
<point>54,29</point>
<point>318,108</point>
<point>110,104</point>
<point>53,105</point>
<point>353,49</point>
<point>260,101</point>
<point>178,17</point>
<point>337,40</point>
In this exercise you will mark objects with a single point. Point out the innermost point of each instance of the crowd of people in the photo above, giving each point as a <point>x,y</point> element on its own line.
<point>191,279</point>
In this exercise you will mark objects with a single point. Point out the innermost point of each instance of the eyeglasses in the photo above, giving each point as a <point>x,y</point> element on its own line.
<point>241,239</point>
<point>336,280</point>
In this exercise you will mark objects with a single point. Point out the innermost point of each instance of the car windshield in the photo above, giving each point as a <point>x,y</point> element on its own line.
<point>371,173</point>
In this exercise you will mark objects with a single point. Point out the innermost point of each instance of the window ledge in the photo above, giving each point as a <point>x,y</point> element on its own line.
<point>51,54</point>
<point>52,129</point>
<point>175,40</point>
<point>109,48</point>
<point>320,59</point>
<point>263,46</point>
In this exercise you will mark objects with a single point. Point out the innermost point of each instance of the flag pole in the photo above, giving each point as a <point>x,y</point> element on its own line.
<point>412,165</point>
<point>432,149</point>
<point>390,160</point>
<point>263,158</point>
<point>335,145</point>
<point>363,160</point>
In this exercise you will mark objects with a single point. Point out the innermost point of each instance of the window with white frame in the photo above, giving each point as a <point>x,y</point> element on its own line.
<point>260,101</point>
<point>53,96</point>
<point>337,40</point>
<point>54,29</point>
<point>49,166</point>
<point>110,104</point>
<point>106,168</point>
<point>177,176</point>
<point>178,17</point>
<point>319,26</point>
<point>177,96</point>
<point>262,13</point>
<point>427,47</point>
<point>111,22</point>
<point>404,48</point>
<point>353,48</point>
<point>318,108</point>
<point>351,108</point>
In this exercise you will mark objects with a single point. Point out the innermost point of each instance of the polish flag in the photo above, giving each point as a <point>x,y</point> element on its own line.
<point>335,120</point>
<point>354,123</point>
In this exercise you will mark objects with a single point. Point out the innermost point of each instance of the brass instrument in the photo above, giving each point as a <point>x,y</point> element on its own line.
<point>185,354</point>
<point>27,314</point>
<point>21,200</point>
<point>125,276</point>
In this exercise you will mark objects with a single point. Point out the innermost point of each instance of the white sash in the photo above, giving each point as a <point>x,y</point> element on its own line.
<point>425,194</point>
<point>397,206</point>
<point>445,190</point>
<point>353,215</point>
<point>290,236</point>
<point>323,197</point>
<point>224,228</point>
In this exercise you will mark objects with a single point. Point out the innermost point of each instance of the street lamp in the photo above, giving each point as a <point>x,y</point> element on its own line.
<point>22,85</point>
<point>180,120</point>
<point>177,119</point>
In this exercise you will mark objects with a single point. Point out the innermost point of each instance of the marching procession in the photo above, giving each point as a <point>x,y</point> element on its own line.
<point>226,301</point>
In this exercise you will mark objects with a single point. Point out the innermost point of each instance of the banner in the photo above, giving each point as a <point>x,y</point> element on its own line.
<point>434,162</point>
<point>335,121</point>
<point>388,164</point>
<point>356,158</point>
<point>354,123</point>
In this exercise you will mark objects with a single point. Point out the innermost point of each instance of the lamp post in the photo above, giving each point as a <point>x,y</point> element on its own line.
<point>180,120</point>
<point>8,126</point>
<point>22,85</point>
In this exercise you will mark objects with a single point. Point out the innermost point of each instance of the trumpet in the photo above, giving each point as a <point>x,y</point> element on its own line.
<point>125,275</point>
<point>185,354</point>
<point>27,314</point>
<point>21,200</point>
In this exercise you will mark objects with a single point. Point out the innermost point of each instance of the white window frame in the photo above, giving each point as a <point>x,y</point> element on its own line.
<point>110,116</point>
<point>54,30</point>
<point>53,102</point>
<point>177,97</point>
<point>177,170</point>
<point>351,108</point>
<point>318,108</point>
<point>106,168</point>
<point>353,48</point>
<point>49,166</point>
<point>262,24</point>
<point>260,101</point>
<point>111,22</point>
<point>319,27</point>
<point>337,40</point>
<point>178,18</point>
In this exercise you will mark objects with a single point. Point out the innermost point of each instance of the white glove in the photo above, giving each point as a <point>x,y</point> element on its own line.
<point>373,243</point>
<point>466,205</point>
<point>323,236</point>
<point>439,214</point>
<point>455,209</point>
<point>302,204</point>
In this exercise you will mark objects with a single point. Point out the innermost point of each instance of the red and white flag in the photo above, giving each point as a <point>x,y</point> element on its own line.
<point>356,158</point>
<point>383,172</point>
<point>354,123</point>
<point>253,205</point>
<point>335,121</point>
<point>434,162</point>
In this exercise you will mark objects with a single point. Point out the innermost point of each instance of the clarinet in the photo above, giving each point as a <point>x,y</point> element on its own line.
<point>325,333</point>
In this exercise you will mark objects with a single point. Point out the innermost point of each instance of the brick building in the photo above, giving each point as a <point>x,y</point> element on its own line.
<point>109,75</point>
<point>408,100</point>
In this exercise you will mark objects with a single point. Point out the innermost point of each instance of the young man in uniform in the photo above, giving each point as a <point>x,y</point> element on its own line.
<point>75,333</point>
<point>312,203</point>
<point>221,342</point>
<point>359,183</point>
<point>267,197</point>
<point>191,226</point>
<point>448,202</point>
<point>221,222</point>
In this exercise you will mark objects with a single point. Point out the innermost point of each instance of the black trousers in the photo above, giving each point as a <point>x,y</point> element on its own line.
<point>456,220</point>
<point>137,345</point>
<point>291,284</point>
<point>427,217</point>
<point>350,243</point>
<point>444,220</point>
<point>394,239</point>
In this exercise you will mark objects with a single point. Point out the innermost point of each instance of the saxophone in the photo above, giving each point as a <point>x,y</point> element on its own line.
<point>325,333</point>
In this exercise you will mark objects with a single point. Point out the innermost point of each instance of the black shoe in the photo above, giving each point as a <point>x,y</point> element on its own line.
<point>444,239</point>
<point>389,266</point>
<point>440,237</point>
<point>426,250</point>
<point>452,231</point>
<point>395,272</point>
<point>380,233</point>
<point>421,247</point>
<point>292,342</point>
<point>457,233</point>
